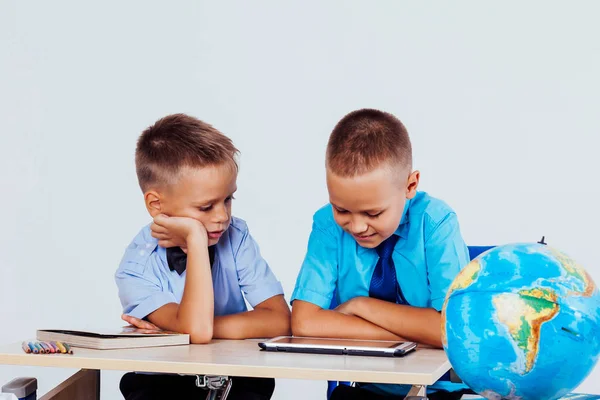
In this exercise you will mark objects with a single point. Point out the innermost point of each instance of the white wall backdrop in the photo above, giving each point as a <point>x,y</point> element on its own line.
<point>501,100</point>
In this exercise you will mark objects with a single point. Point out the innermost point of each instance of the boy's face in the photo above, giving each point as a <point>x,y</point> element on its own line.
<point>370,206</point>
<point>204,194</point>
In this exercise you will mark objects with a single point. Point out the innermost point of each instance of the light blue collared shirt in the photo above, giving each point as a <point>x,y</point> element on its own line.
<point>428,256</point>
<point>146,283</point>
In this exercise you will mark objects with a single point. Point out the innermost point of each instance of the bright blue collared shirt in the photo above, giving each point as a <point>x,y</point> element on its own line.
<point>146,283</point>
<point>428,256</point>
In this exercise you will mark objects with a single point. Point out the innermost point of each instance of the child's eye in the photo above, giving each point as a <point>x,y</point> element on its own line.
<point>340,211</point>
<point>206,208</point>
<point>375,215</point>
<point>228,199</point>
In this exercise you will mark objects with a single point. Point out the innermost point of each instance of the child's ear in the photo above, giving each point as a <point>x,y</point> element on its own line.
<point>413,183</point>
<point>152,200</point>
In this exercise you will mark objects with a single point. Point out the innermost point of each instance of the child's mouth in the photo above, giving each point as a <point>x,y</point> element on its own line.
<point>215,234</point>
<point>362,238</point>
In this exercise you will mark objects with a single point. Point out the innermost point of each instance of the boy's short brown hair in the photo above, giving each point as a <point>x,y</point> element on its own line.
<point>178,141</point>
<point>365,139</point>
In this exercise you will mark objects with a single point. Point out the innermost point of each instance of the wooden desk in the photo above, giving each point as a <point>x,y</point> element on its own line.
<point>238,358</point>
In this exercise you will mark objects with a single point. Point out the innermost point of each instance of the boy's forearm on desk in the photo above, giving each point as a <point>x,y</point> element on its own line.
<point>269,318</point>
<point>413,323</point>
<point>168,318</point>
<point>258,323</point>
<point>332,324</point>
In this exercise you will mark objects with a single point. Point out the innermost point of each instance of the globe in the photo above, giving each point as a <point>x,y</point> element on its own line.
<point>522,321</point>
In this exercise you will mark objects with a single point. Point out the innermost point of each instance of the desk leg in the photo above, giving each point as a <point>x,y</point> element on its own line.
<point>417,392</point>
<point>83,385</point>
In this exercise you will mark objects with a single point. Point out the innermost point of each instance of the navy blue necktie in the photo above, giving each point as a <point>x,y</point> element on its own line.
<point>384,285</point>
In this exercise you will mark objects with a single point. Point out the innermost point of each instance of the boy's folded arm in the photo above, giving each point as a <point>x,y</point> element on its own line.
<point>309,319</point>
<point>445,253</point>
<point>270,318</point>
<point>417,324</point>
<point>195,313</point>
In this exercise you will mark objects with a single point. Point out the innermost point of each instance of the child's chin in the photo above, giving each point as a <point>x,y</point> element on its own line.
<point>369,244</point>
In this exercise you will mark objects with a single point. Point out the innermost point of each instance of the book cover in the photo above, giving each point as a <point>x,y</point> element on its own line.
<point>122,338</point>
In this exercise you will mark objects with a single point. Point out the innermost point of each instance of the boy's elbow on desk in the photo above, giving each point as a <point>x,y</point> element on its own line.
<point>201,333</point>
<point>299,329</point>
<point>283,322</point>
<point>201,336</point>
<point>301,325</point>
<point>284,326</point>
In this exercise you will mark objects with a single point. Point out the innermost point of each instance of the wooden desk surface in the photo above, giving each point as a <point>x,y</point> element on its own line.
<point>244,358</point>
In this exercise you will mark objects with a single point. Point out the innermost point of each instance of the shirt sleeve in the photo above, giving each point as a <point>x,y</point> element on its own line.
<point>256,280</point>
<point>318,275</point>
<point>445,254</point>
<point>140,289</point>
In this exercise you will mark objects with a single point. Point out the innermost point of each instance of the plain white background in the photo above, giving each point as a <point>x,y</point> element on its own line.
<point>501,101</point>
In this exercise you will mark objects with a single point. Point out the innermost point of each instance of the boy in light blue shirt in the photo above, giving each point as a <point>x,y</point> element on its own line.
<point>386,251</point>
<point>191,269</point>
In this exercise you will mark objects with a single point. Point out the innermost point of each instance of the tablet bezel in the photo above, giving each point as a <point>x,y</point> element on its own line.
<point>393,348</point>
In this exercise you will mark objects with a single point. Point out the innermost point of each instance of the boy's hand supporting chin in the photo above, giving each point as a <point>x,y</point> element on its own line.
<point>178,231</point>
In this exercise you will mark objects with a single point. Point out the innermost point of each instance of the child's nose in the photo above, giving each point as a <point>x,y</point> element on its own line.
<point>221,215</point>
<point>358,226</point>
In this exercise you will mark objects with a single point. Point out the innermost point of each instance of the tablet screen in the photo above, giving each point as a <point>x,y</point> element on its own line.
<point>337,342</point>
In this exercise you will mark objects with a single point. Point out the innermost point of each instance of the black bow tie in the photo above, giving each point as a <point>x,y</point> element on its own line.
<point>177,259</point>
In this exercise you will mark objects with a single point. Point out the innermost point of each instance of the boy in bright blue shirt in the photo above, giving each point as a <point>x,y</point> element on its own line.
<point>387,251</point>
<point>192,269</point>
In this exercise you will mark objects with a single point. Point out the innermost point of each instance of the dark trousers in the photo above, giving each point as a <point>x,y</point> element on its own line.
<point>159,387</point>
<point>343,392</point>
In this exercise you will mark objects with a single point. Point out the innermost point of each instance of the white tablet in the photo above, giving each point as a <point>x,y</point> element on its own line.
<point>351,347</point>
